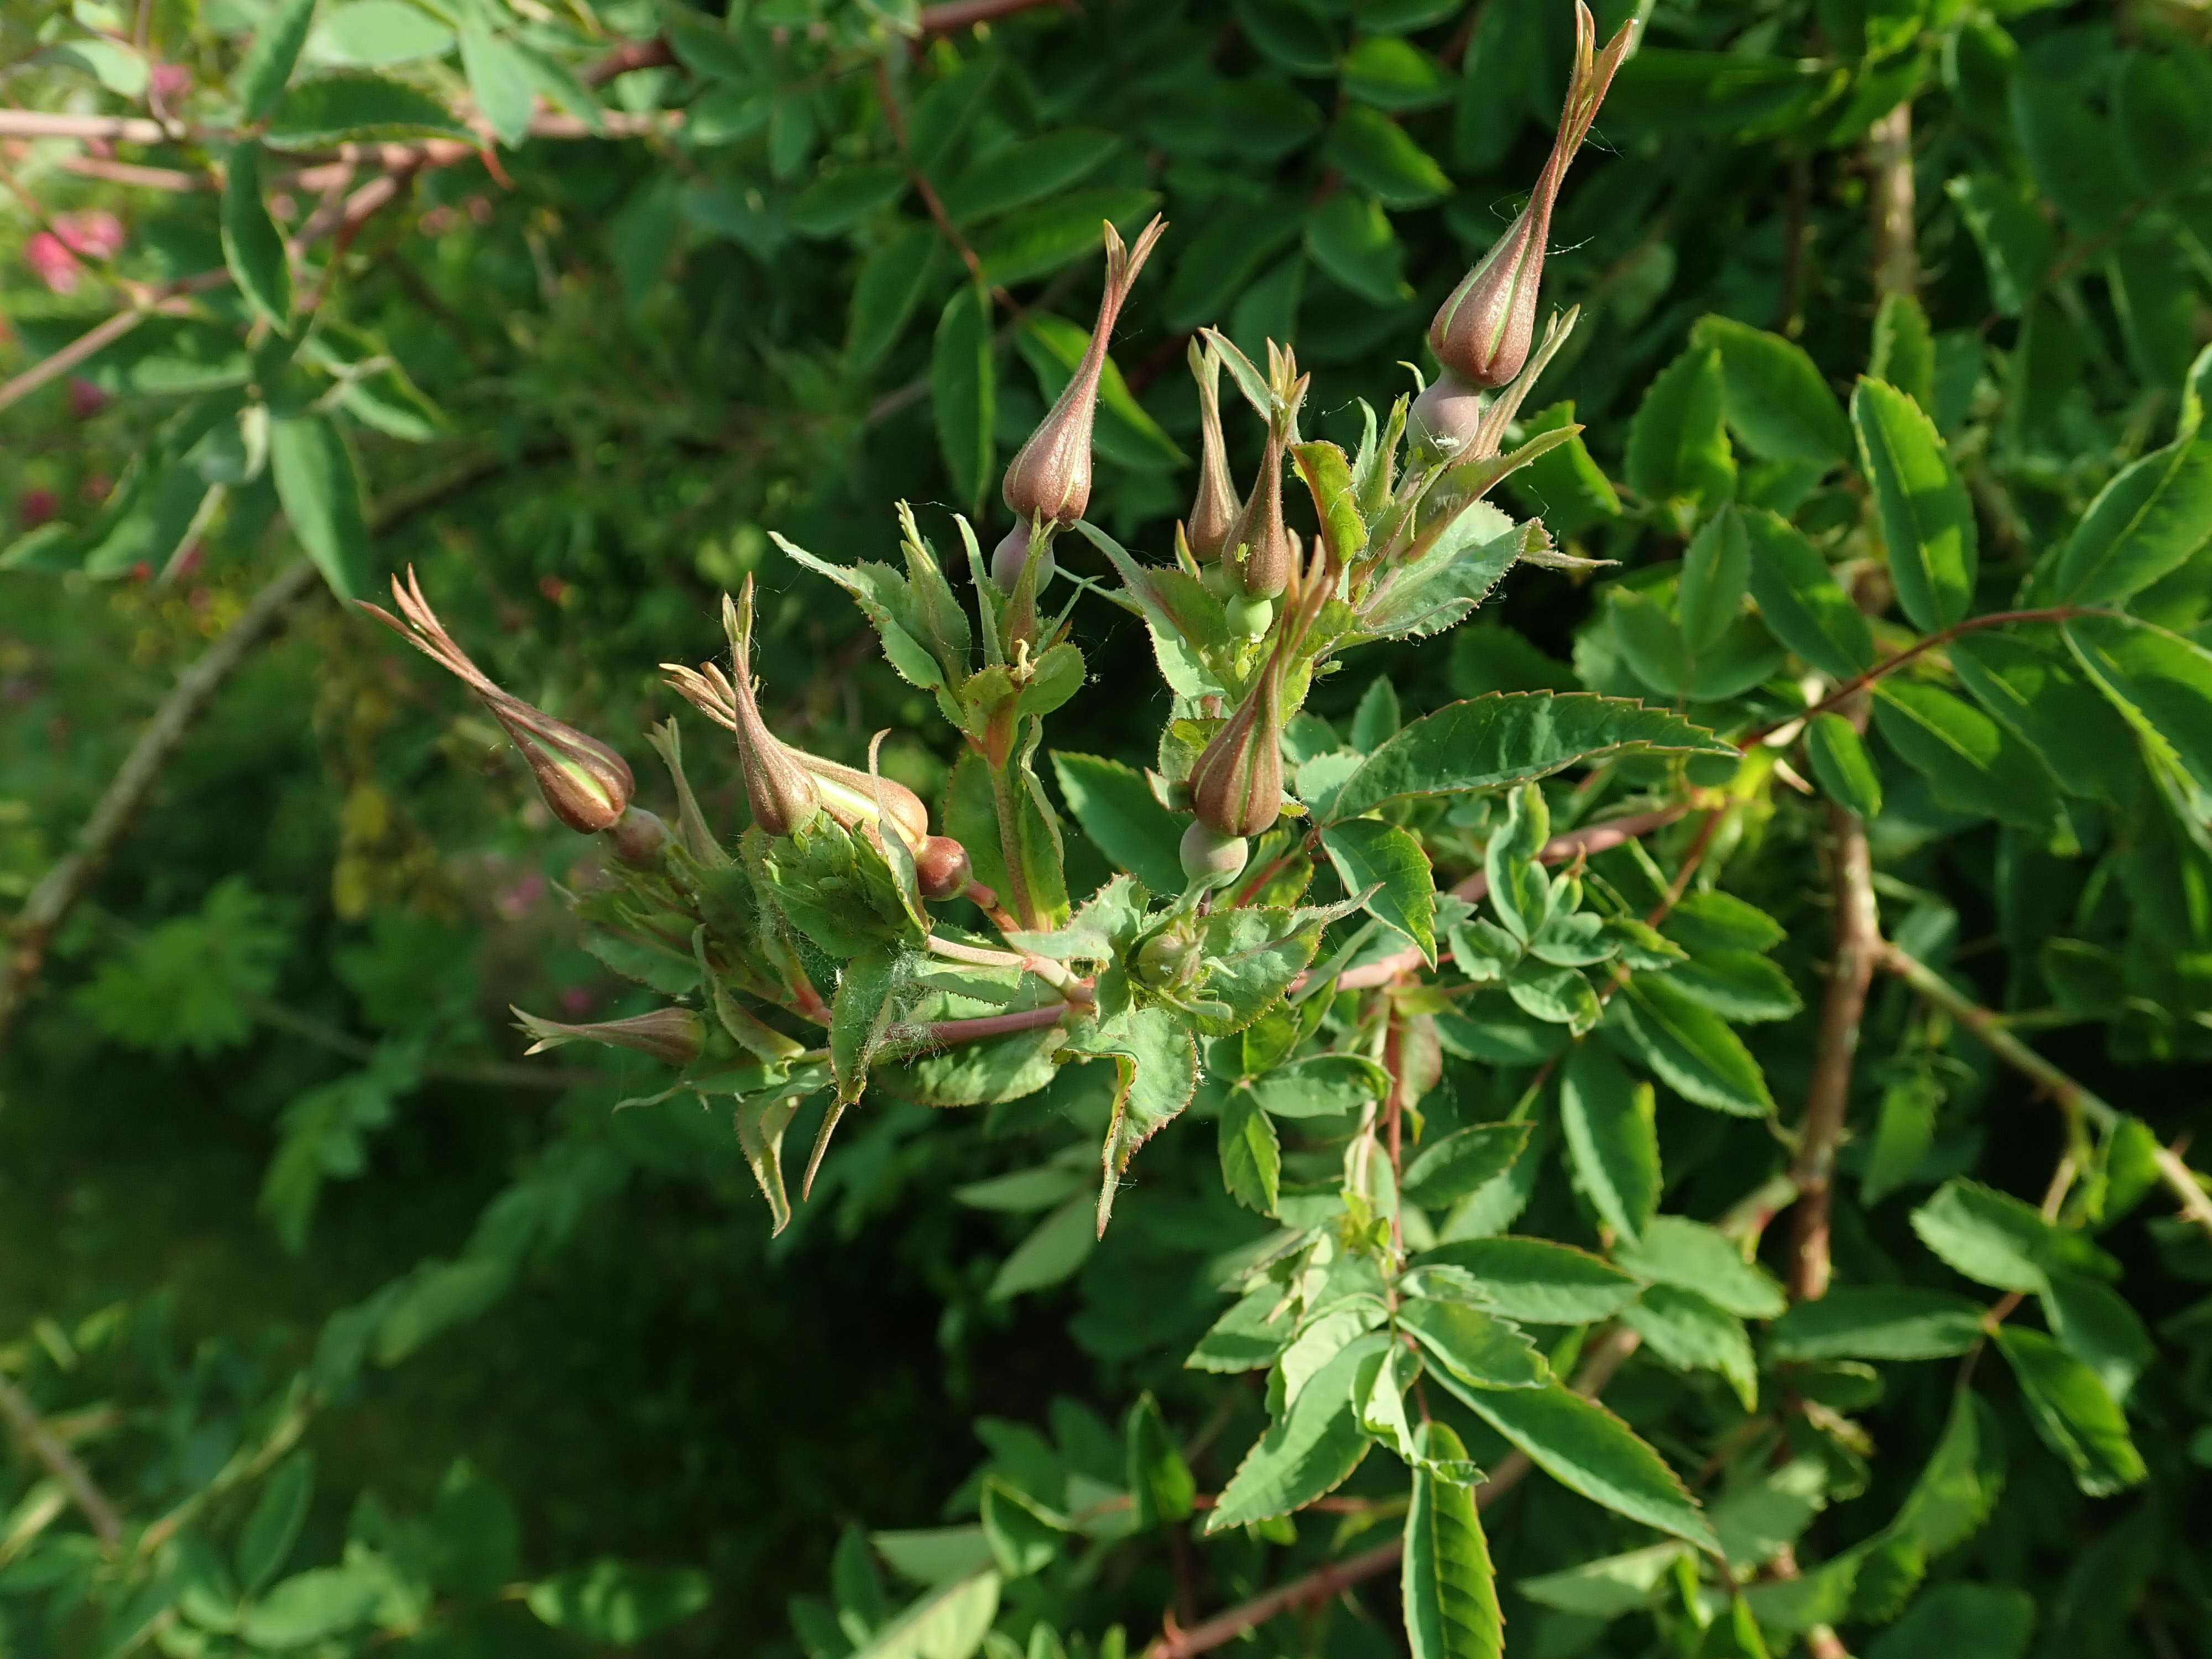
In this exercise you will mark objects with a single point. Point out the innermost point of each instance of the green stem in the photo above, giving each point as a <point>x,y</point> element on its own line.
<point>1010,844</point>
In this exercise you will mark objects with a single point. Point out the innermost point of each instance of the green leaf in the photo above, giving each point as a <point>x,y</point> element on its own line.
<point>2072,1412</point>
<point>338,109</point>
<point>950,1622</point>
<point>1055,1248</point>
<point>1116,810</point>
<point>1689,1046</point>
<point>1610,1586</point>
<point>615,1602</point>
<point>1160,1485</point>
<point>271,58</point>
<point>1478,1348</point>
<point>2042,697</point>
<point>1295,36</point>
<point>309,1606</point>
<point>1155,1063</point>
<point>274,1526</point>
<point>500,83</point>
<point>1877,1321</point>
<point>1016,174</point>
<point>1737,985</point>
<point>1842,766</point>
<point>371,33</point>
<point>1381,157</point>
<point>2071,152</point>
<point>1678,449</point>
<point>1904,352</point>
<point>2016,241</point>
<point>860,1014</point>
<point>1775,398</point>
<point>1715,574</point>
<point>2099,1329</point>
<point>1611,1138</point>
<point>1587,1449</point>
<point>1991,1237</point>
<point>1461,1163</point>
<point>1676,1250</point>
<point>1927,519</point>
<point>1351,237</point>
<point>1539,1282</point>
<point>1960,1621</point>
<point>2151,519</point>
<point>1367,852</point>
<point>2162,682</point>
<point>1023,1538</point>
<point>1392,74</point>
<point>1564,486</point>
<point>963,391</point>
<point>1690,1332</point>
<point>840,197</point>
<point>1972,763</point>
<point>1251,1155</point>
<point>320,489</point>
<point>1448,1589</point>
<point>1321,1085</point>
<point>1039,240</point>
<point>1494,742</point>
<point>891,283</point>
<point>252,247</point>
<point>1800,601</point>
<point>1309,1454</point>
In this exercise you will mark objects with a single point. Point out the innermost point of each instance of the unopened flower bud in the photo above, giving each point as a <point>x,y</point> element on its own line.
<point>1248,616</point>
<point>1483,332</point>
<point>673,1034</point>
<point>1171,956</point>
<point>638,839</point>
<point>1215,510</point>
<point>1012,552</point>
<point>779,788</point>
<point>588,786</point>
<point>852,797</point>
<point>1447,414</point>
<point>1211,859</point>
<point>941,868</point>
<point>1237,787</point>
<point>1048,480</point>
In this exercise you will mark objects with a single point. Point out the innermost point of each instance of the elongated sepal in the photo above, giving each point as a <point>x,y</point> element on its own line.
<point>673,1034</point>
<point>586,785</point>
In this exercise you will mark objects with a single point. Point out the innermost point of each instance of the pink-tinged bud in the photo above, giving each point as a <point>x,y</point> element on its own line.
<point>1048,481</point>
<point>857,799</point>
<point>34,507</point>
<point>1448,414</point>
<point>673,1034</point>
<point>588,786</point>
<point>778,788</point>
<point>1482,333</point>
<point>1265,568</point>
<point>1012,552</point>
<point>638,839</point>
<point>1215,510</point>
<point>1237,787</point>
<point>941,868</point>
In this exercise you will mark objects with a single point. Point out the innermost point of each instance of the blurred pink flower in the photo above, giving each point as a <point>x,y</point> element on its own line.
<point>169,79</point>
<point>577,999</point>
<point>86,400</point>
<point>34,507</point>
<point>51,254</point>
<point>517,901</point>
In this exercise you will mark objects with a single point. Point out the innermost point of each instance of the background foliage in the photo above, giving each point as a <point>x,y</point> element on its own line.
<point>307,1269</point>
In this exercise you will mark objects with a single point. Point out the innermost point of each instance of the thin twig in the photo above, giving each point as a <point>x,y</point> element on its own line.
<point>163,300</point>
<point>1858,937</point>
<point>954,14</point>
<point>1890,201</point>
<point>1988,1025</point>
<point>44,1445</point>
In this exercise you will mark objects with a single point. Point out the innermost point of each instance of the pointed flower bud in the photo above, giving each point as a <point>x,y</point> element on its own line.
<point>673,1034</point>
<point>857,799</point>
<point>778,788</point>
<point>1214,512</point>
<point>1482,333</point>
<point>1237,787</point>
<point>1048,481</point>
<point>1270,553</point>
<point>588,786</point>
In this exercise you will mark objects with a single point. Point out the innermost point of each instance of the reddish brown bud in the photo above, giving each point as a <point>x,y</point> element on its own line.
<point>1049,479</point>
<point>778,788</point>
<point>673,1034</point>
<point>588,786</point>
<point>1237,787</point>
<point>941,868</point>
<point>1214,512</point>
<point>1483,332</point>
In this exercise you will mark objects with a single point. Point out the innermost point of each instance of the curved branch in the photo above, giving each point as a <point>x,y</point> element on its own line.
<point>46,1448</point>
